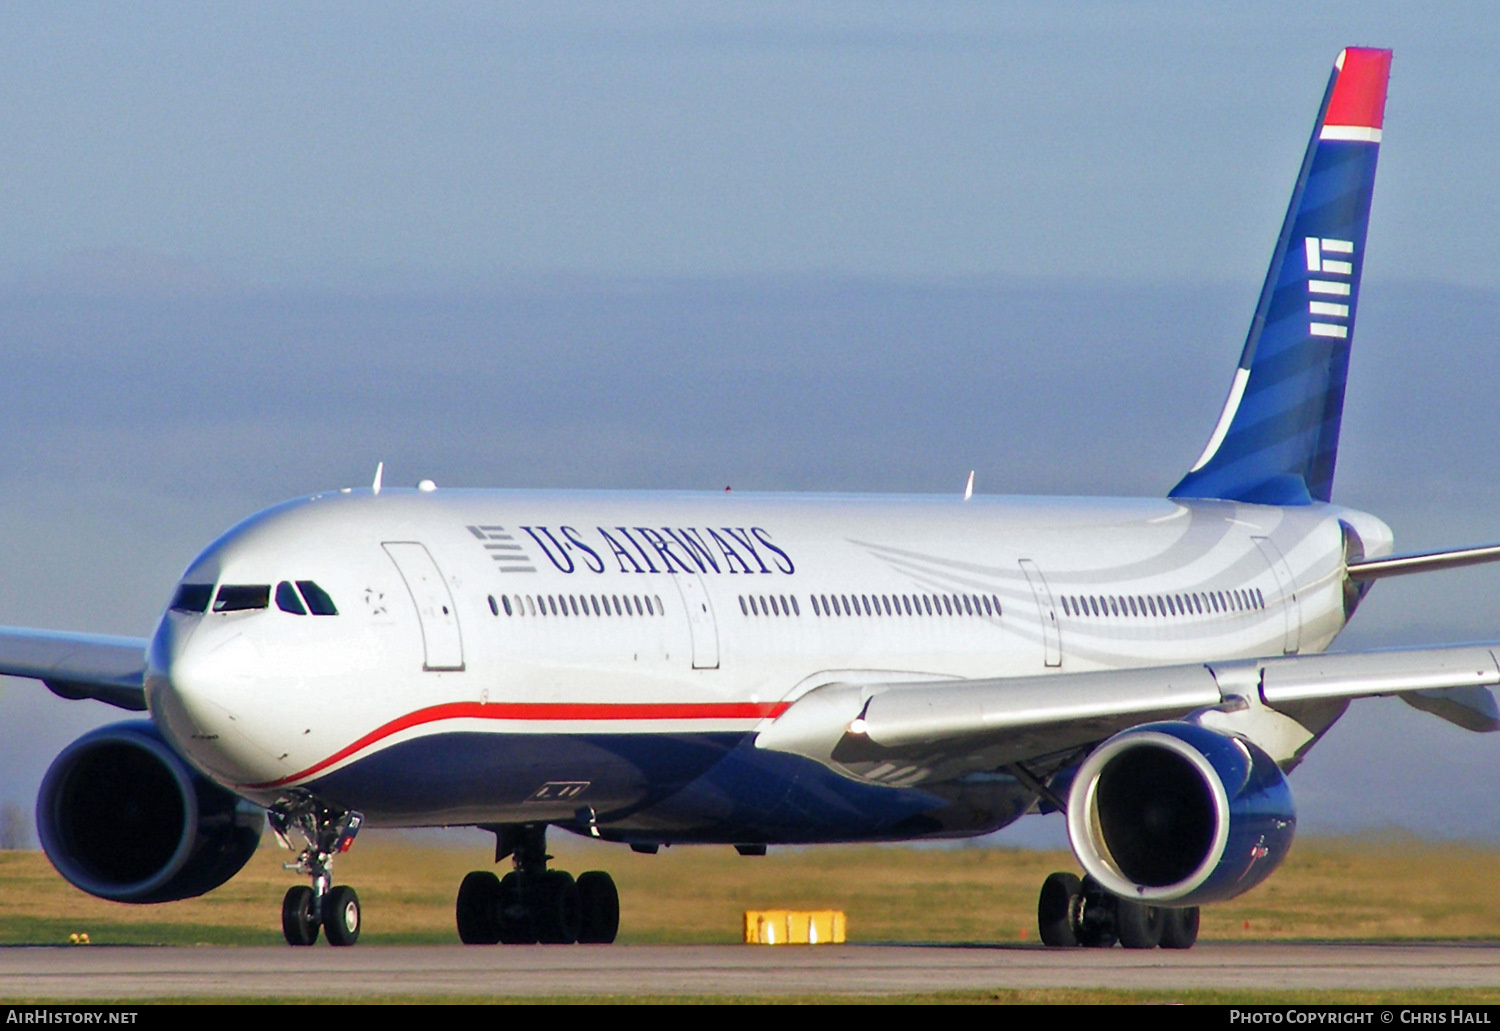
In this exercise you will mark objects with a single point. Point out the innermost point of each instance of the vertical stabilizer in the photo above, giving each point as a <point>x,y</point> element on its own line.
<point>1278,436</point>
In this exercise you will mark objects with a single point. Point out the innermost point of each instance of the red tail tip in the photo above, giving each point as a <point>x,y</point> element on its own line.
<point>1359,94</point>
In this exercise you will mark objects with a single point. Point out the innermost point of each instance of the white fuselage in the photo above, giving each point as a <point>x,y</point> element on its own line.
<point>471,621</point>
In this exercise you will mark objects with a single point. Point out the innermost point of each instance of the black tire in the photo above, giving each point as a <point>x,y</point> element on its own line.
<point>478,909</point>
<point>1057,910</point>
<point>1139,925</point>
<point>514,914</point>
<point>1179,929</point>
<point>341,916</point>
<point>1095,923</point>
<point>297,923</point>
<point>556,908</point>
<point>599,908</point>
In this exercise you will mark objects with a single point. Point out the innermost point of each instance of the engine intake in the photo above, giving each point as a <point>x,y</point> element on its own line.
<point>1178,814</point>
<point>122,817</point>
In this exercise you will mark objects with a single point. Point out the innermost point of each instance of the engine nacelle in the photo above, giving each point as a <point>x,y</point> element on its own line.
<point>121,816</point>
<point>1177,814</point>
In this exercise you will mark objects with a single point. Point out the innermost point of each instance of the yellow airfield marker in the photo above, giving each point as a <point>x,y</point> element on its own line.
<point>794,926</point>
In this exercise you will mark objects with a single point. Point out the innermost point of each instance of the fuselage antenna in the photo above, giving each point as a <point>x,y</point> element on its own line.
<point>969,487</point>
<point>379,474</point>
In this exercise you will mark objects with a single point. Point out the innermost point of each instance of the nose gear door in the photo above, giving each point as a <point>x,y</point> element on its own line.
<point>442,644</point>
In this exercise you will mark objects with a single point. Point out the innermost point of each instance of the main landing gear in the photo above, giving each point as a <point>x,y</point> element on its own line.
<point>333,909</point>
<point>533,903</point>
<point>1071,912</point>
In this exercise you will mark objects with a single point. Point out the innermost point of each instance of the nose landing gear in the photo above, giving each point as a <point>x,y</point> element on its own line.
<point>326,907</point>
<point>532,903</point>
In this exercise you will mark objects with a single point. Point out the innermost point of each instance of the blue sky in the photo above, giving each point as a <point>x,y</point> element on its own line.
<point>459,143</point>
<point>246,251</point>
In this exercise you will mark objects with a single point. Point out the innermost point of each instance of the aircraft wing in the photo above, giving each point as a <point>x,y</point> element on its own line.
<point>910,733</point>
<point>74,666</point>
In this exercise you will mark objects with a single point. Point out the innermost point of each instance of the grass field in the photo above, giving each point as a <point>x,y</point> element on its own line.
<point>1342,889</point>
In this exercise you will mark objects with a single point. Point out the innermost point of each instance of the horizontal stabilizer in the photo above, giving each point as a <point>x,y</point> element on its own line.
<point>1472,708</point>
<point>77,666</point>
<point>1426,562</point>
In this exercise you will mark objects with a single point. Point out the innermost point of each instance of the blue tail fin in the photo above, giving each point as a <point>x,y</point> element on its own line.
<point>1278,436</point>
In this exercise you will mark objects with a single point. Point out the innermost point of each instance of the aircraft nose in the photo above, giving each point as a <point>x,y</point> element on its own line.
<point>194,674</point>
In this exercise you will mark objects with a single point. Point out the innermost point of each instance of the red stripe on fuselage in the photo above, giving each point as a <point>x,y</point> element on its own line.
<point>541,711</point>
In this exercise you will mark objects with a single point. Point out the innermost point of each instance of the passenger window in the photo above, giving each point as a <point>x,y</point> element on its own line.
<point>318,601</point>
<point>192,597</point>
<point>287,600</point>
<point>242,597</point>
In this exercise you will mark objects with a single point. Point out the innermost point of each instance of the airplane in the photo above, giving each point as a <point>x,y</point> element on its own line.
<point>658,668</point>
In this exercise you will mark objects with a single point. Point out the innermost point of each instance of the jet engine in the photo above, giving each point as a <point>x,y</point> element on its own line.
<point>121,816</point>
<point>1177,814</point>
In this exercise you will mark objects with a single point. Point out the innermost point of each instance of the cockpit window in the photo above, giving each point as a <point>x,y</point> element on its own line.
<point>240,597</point>
<point>287,600</point>
<point>318,601</point>
<point>192,597</point>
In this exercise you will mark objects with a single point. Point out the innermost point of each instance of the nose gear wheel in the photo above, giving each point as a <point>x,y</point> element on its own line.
<point>326,831</point>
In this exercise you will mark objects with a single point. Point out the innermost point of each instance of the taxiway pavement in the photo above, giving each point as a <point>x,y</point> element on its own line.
<point>101,972</point>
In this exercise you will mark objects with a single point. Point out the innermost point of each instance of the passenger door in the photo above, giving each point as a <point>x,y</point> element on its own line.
<point>442,644</point>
